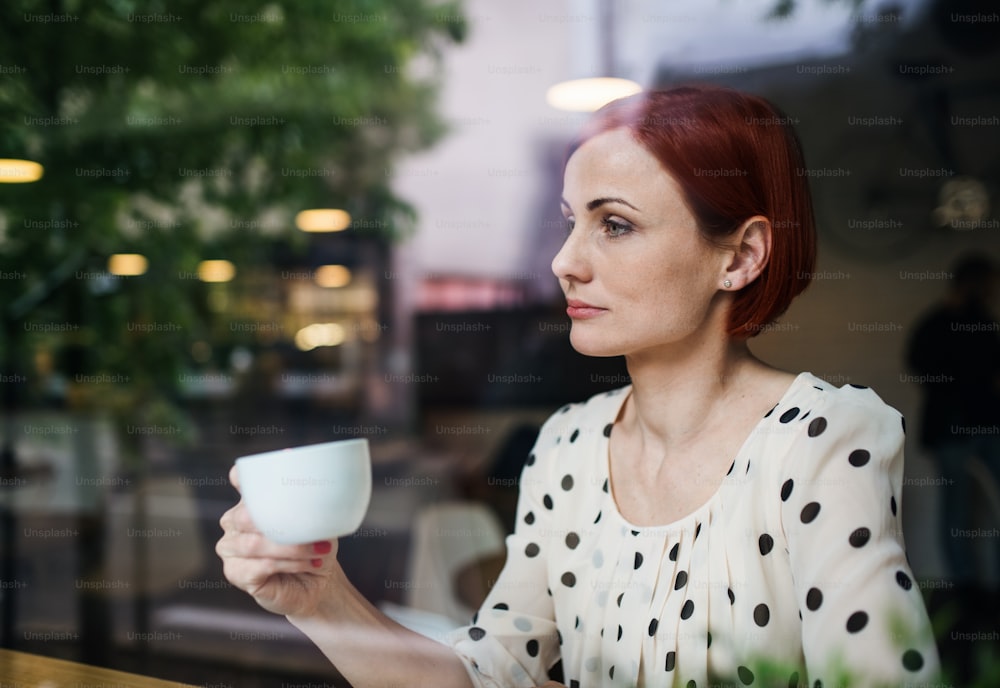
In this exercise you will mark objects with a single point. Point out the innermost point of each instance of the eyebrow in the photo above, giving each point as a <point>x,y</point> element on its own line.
<point>598,202</point>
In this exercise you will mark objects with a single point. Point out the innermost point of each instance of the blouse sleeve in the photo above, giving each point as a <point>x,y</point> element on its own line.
<point>513,640</point>
<point>863,616</point>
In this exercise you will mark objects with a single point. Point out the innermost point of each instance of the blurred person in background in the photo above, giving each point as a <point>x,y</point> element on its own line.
<point>717,519</point>
<point>955,352</point>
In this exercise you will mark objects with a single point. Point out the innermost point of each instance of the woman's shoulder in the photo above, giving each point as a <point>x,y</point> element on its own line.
<point>603,406</point>
<point>852,400</point>
<point>819,417</point>
<point>580,423</point>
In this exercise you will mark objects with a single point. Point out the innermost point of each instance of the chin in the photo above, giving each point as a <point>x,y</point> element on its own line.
<point>593,346</point>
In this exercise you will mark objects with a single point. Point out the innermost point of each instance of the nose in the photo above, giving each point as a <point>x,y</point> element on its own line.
<point>571,263</point>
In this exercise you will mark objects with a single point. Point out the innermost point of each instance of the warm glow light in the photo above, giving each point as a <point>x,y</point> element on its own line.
<point>587,95</point>
<point>332,276</point>
<point>216,271</point>
<point>14,171</point>
<point>127,264</point>
<point>319,334</point>
<point>323,220</point>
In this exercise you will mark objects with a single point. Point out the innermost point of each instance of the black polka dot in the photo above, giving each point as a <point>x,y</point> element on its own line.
<point>547,501</point>
<point>620,631</point>
<point>476,633</point>
<point>687,610</point>
<point>673,551</point>
<point>529,517</point>
<point>598,517</point>
<point>652,627</point>
<point>501,605</point>
<point>697,530</point>
<point>559,636</point>
<point>532,648</point>
<point>692,684</point>
<point>530,461</point>
<point>793,680</point>
<point>746,676</point>
<point>786,489</point>
<point>532,550</point>
<point>761,614</point>
<point>638,560</point>
<point>912,660</point>
<point>892,505</point>
<point>565,408</point>
<point>817,684</point>
<point>611,672</point>
<point>814,598</point>
<point>904,581</point>
<point>732,596</point>
<point>859,457</point>
<point>605,486</point>
<point>771,411</point>
<point>858,386</point>
<point>860,537</point>
<point>708,639</point>
<point>475,618</point>
<point>577,624</point>
<point>567,482</point>
<point>607,429</point>
<point>568,579</point>
<point>856,621</point>
<point>576,433</point>
<point>903,421</point>
<point>817,426</point>
<point>809,512</point>
<point>789,415</point>
<point>766,543</point>
<point>731,467</point>
<point>681,581</point>
<point>620,596</point>
<point>634,533</point>
<point>572,540</point>
<point>671,660</point>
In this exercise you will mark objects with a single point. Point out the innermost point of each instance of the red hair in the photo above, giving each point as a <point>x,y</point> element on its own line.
<point>734,155</point>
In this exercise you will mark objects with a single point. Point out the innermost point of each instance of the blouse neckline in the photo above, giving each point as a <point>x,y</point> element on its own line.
<point>689,519</point>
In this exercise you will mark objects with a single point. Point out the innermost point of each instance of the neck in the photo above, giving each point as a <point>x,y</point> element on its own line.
<point>679,393</point>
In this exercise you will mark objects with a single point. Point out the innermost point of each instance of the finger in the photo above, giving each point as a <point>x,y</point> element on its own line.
<point>254,545</point>
<point>237,519</point>
<point>234,478</point>
<point>251,574</point>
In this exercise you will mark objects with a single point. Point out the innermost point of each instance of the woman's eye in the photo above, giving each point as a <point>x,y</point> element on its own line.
<point>570,223</point>
<point>615,228</point>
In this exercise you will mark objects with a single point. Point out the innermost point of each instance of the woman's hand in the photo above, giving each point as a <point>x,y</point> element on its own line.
<point>283,579</point>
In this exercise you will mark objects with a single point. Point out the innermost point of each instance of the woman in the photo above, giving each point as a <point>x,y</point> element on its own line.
<point>718,519</point>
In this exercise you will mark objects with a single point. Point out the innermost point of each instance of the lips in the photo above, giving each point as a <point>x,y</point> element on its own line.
<point>581,310</point>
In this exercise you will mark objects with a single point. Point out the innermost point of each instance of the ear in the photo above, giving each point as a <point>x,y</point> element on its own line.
<point>751,251</point>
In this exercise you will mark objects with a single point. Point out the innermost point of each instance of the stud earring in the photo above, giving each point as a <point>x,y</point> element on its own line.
<point>727,284</point>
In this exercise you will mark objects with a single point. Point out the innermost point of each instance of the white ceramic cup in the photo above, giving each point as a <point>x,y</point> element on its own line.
<point>306,494</point>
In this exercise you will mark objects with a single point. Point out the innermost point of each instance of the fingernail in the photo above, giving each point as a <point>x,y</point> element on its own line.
<point>316,563</point>
<point>322,547</point>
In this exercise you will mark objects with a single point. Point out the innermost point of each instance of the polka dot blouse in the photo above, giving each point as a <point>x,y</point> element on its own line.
<point>793,570</point>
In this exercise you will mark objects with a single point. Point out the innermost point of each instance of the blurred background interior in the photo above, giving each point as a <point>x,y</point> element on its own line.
<point>258,226</point>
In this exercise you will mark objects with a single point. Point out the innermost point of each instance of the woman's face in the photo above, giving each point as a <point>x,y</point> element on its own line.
<point>636,273</point>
